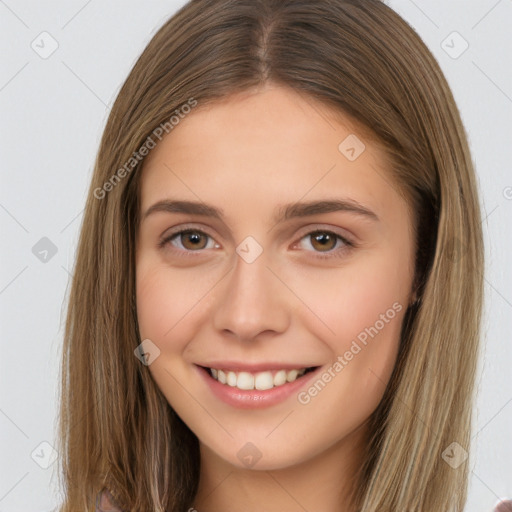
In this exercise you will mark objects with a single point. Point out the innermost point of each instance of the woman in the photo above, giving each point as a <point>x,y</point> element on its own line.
<point>317,349</point>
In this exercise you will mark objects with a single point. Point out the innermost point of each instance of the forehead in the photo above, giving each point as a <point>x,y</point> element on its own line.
<point>269,146</point>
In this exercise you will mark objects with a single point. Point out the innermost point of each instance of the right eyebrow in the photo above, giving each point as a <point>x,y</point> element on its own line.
<point>190,207</point>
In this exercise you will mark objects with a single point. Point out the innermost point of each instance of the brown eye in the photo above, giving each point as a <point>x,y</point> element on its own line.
<point>326,244</point>
<point>323,240</point>
<point>187,241</point>
<point>192,239</point>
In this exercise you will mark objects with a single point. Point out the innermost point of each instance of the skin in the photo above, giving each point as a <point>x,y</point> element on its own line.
<point>248,154</point>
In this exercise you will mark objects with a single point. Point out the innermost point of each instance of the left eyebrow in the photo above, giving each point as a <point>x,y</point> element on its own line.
<point>283,212</point>
<point>293,210</point>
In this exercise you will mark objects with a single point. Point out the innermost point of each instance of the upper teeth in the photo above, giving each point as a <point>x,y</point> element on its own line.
<point>261,380</point>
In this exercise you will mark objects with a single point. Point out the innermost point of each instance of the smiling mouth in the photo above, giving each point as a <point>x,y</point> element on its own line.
<point>257,380</point>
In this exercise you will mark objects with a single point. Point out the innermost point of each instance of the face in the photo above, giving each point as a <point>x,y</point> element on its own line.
<point>275,249</point>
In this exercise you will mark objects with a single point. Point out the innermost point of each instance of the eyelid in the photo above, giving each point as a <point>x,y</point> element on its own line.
<point>342,233</point>
<point>185,227</point>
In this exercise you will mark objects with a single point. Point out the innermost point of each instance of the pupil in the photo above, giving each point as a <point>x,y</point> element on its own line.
<point>323,237</point>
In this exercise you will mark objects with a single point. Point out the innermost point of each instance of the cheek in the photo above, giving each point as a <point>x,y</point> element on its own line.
<point>167,305</point>
<point>154,297</point>
<point>364,351</point>
<point>342,302</point>
<point>173,305</point>
<point>159,310</point>
<point>166,301</point>
<point>361,311</point>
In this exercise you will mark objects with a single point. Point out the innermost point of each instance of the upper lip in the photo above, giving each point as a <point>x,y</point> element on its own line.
<point>237,366</point>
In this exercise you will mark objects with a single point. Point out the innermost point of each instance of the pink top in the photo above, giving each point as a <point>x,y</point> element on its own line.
<point>503,506</point>
<point>105,502</point>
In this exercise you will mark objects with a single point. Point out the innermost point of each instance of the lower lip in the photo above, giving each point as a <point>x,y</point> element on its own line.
<point>254,398</point>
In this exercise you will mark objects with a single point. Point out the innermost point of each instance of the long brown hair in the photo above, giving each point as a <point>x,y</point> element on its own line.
<point>359,57</point>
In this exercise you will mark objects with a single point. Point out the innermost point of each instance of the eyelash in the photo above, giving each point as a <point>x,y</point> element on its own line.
<point>333,253</point>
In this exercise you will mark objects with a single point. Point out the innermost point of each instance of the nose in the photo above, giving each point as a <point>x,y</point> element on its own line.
<point>253,300</point>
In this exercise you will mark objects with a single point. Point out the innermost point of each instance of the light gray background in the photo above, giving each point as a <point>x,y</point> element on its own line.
<point>53,113</point>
